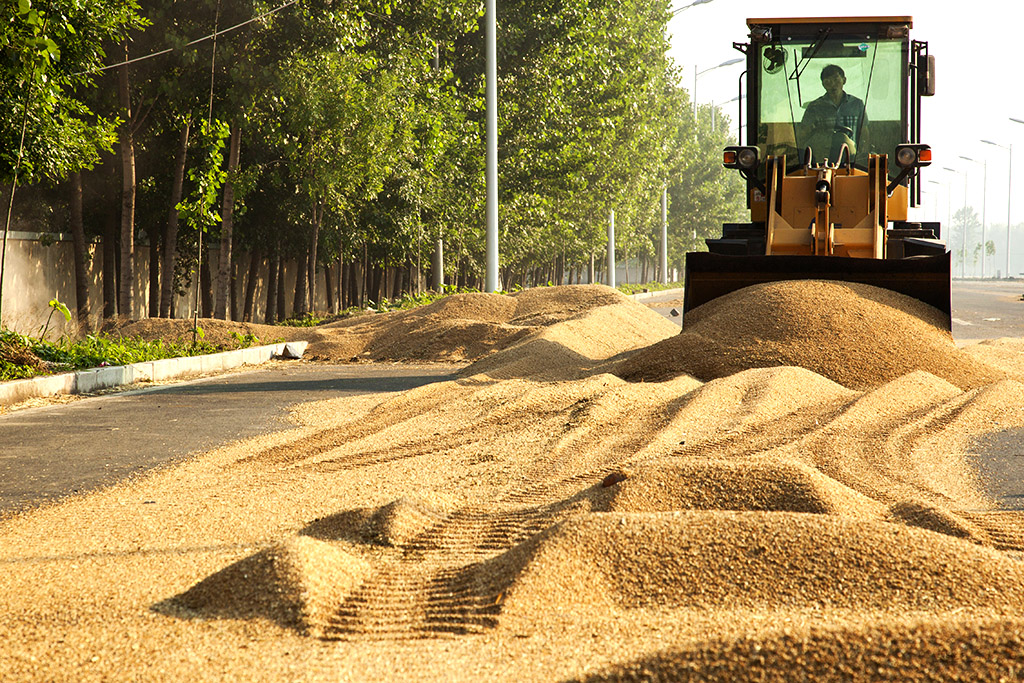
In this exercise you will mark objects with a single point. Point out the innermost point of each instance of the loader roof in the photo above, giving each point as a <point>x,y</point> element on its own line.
<point>834,20</point>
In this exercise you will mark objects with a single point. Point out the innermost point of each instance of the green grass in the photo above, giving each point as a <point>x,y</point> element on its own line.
<point>648,287</point>
<point>22,356</point>
<point>406,302</point>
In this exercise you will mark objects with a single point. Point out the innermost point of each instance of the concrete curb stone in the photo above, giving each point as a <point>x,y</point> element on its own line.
<point>95,379</point>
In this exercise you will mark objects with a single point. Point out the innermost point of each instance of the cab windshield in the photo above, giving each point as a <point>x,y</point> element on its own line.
<point>828,91</point>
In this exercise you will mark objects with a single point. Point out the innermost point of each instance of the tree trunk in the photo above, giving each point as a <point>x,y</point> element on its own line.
<point>255,260</point>
<point>206,287</point>
<point>351,284</point>
<point>170,254</point>
<point>328,289</point>
<point>280,287</point>
<point>272,268</point>
<point>317,217</point>
<point>401,281</point>
<point>124,299</point>
<point>227,226</point>
<point>376,284</point>
<point>341,284</point>
<point>81,253</point>
<point>301,280</point>
<point>155,238</point>
<point>233,309</point>
<point>365,276</point>
<point>110,265</point>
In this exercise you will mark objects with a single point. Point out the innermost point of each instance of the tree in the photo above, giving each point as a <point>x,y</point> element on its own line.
<point>703,194</point>
<point>966,229</point>
<point>46,130</point>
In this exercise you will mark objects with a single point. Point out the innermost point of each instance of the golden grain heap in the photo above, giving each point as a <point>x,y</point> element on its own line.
<point>783,491</point>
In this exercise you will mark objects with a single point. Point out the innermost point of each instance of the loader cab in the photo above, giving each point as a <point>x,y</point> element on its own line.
<point>790,109</point>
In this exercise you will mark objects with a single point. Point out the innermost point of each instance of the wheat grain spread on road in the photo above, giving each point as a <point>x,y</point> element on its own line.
<point>784,491</point>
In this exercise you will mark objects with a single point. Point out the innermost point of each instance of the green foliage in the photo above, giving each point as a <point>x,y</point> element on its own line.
<point>703,194</point>
<point>305,320</point>
<point>16,358</point>
<point>50,57</point>
<point>354,140</point>
<point>55,306</point>
<point>648,287</point>
<point>246,340</point>
<point>405,302</point>
<point>101,350</point>
<point>24,356</point>
<point>198,209</point>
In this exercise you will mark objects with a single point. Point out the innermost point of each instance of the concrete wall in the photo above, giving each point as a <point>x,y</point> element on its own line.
<point>40,267</point>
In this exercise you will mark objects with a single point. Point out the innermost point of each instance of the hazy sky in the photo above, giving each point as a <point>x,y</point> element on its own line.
<point>979,85</point>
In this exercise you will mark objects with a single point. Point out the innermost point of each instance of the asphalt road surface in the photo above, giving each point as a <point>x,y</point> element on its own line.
<point>987,309</point>
<point>52,451</point>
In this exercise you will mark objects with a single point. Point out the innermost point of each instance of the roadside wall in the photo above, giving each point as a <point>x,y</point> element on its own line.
<point>41,267</point>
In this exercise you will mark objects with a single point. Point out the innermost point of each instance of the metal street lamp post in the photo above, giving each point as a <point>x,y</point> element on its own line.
<point>728,62</point>
<point>984,201</point>
<point>663,255</point>
<point>963,239</point>
<point>491,97</point>
<point>714,110</point>
<point>935,203</point>
<point>1009,196</point>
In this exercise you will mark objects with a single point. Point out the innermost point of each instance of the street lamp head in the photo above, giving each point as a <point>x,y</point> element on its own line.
<point>966,158</point>
<point>1016,120</point>
<point>692,4</point>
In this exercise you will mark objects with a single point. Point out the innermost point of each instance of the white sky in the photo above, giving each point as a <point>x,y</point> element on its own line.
<point>979,85</point>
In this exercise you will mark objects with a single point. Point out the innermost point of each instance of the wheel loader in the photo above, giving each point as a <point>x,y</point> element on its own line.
<point>831,109</point>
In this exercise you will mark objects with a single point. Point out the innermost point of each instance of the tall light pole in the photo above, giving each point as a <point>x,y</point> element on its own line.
<point>663,255</point>
<point>714,110</point>
<point>728,62</point>
<point>984,198</point>
<point>491,95</point>
<point>1020,121</point>
<point>935,204</point>
<point>611,248</point>
<point>963,239</point>
<point>1009,196</point>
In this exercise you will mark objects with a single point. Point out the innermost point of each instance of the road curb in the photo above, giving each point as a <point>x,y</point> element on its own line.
<point>95,379</point>
<point>640,296</point>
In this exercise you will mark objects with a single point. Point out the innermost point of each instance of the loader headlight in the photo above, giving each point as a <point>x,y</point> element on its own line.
<point>910,156</point>
<point>742,158</point>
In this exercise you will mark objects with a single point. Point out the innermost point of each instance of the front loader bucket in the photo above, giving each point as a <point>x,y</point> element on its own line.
<point>709,276</point>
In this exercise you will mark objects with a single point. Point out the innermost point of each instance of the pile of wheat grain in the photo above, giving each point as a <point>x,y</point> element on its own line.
<point>856,335</point>
<point>539,519</point>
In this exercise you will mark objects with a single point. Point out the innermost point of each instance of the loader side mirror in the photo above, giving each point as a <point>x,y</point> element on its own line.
<point>926,75</point>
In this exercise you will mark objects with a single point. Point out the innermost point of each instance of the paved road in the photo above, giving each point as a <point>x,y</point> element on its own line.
<point>51,451</point>
<point>987,309</point>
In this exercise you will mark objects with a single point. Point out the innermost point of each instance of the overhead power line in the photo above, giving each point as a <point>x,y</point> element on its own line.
<point>194,42</point>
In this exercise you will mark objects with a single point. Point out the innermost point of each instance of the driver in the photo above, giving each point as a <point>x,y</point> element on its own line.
<point>834,118</point>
